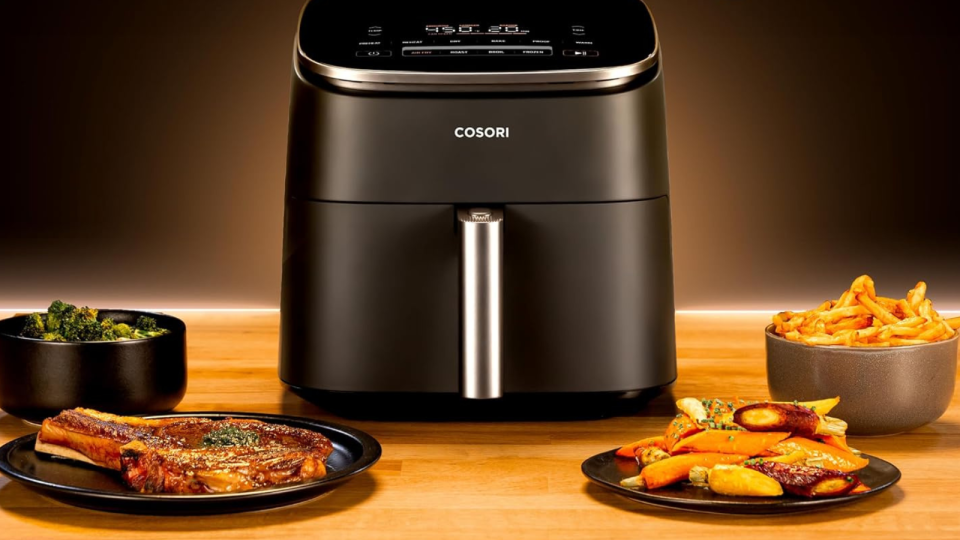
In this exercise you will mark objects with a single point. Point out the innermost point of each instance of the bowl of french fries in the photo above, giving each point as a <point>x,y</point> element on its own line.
<point>892,361</point>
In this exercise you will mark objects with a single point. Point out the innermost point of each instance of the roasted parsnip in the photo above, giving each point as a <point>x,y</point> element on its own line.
<point>736,480</point>
<point>651,455</point>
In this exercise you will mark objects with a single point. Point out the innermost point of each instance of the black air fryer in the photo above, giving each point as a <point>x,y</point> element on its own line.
<point>477,213</point>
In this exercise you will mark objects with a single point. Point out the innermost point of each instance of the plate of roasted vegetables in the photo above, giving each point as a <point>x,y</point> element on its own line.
<point>744,457</point>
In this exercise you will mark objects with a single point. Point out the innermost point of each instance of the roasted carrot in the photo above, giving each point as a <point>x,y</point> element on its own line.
<point>860,489</point>
<point>680,427</point>
<point>730,442</point>
<point>677,468</point>
<point>830,457</point>
<point>834,441</point>
<point>631,450</point>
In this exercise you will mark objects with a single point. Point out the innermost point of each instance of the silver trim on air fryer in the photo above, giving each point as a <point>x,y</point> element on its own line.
<point>408,80</point>
<point>481,237</point>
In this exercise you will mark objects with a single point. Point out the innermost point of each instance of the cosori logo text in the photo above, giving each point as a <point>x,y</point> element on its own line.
<point>482,132</point>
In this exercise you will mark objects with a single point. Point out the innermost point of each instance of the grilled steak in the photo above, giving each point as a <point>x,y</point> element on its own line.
<point>187,455</point>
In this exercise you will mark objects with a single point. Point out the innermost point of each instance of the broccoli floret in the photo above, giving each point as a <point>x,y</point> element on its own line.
<point>81,325</point>
<point>123,331</point>
<point>34,327</point>
<point>52,336</point>
<point>108,330</point>
<point>56,313</point>
<point>146,327</point>
<point>146,324</point>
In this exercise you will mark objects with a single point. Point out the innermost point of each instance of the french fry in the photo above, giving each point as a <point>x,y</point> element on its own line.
<point>906,309</point>
<point>835,315</point>
<point>850,323</point>
<point>954,323</point>
<point>948,331</point>
<point>864,285</point>
<point>876,344</point>
<point>847,299</point>
<point>899,342</point>
<point>889,304</point>
<point>912,322</point>
<point>822,338</point>
<point>876,309</point>
<point>932,333</point>
<point>915,296</point>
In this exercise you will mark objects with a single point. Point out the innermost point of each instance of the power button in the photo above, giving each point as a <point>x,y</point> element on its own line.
<point>373,53</point>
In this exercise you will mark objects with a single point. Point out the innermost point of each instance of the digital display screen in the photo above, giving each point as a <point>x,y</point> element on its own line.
<point>476,30</point>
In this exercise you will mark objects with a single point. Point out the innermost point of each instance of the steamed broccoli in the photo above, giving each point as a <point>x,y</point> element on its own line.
<point>56,313</point>
<point>34,327</point>
<point>81,325</point>
<point>108,330</point>
<point>66,322</point>
<point>146,327</point>
<point>123,331</point>
<point>146,324</point>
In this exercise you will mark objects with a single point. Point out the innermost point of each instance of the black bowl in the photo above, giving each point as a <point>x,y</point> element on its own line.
<point>38,379</point>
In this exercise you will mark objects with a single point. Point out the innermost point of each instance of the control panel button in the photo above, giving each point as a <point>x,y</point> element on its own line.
<point>374,53</point>
<point>580,53</point>
<point>478,50</point>
<point>457,41</point>
<point>374,31</point>
<point>578,30</point>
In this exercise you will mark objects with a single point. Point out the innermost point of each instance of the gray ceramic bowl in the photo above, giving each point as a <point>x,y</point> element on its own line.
<point>882,391</point>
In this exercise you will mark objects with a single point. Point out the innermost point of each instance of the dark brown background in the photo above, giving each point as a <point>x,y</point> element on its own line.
<point>143,149</point>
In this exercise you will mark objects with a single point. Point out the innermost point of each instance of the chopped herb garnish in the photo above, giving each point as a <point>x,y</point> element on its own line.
<point>230,436</point>
<point>730,438</point>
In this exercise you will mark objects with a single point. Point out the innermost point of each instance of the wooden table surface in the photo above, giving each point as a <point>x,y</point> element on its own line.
<point>504,480</point>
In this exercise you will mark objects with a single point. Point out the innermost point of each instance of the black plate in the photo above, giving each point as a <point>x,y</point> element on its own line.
<point>607,470</point>
<point>83,485</point>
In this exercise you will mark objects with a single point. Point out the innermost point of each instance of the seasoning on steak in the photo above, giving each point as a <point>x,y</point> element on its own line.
<point>187,455</point>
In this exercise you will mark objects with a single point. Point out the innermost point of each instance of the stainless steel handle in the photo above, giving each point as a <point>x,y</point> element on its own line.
<point>481,259</point>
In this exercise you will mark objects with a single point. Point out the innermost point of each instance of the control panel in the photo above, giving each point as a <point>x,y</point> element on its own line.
<point>494,35</point>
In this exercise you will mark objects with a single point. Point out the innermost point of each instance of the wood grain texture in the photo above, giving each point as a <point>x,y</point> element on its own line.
<point>504,480</point>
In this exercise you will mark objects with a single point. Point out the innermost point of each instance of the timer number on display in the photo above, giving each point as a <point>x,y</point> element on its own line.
<point>497,29</point>
<point>506,28</point>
